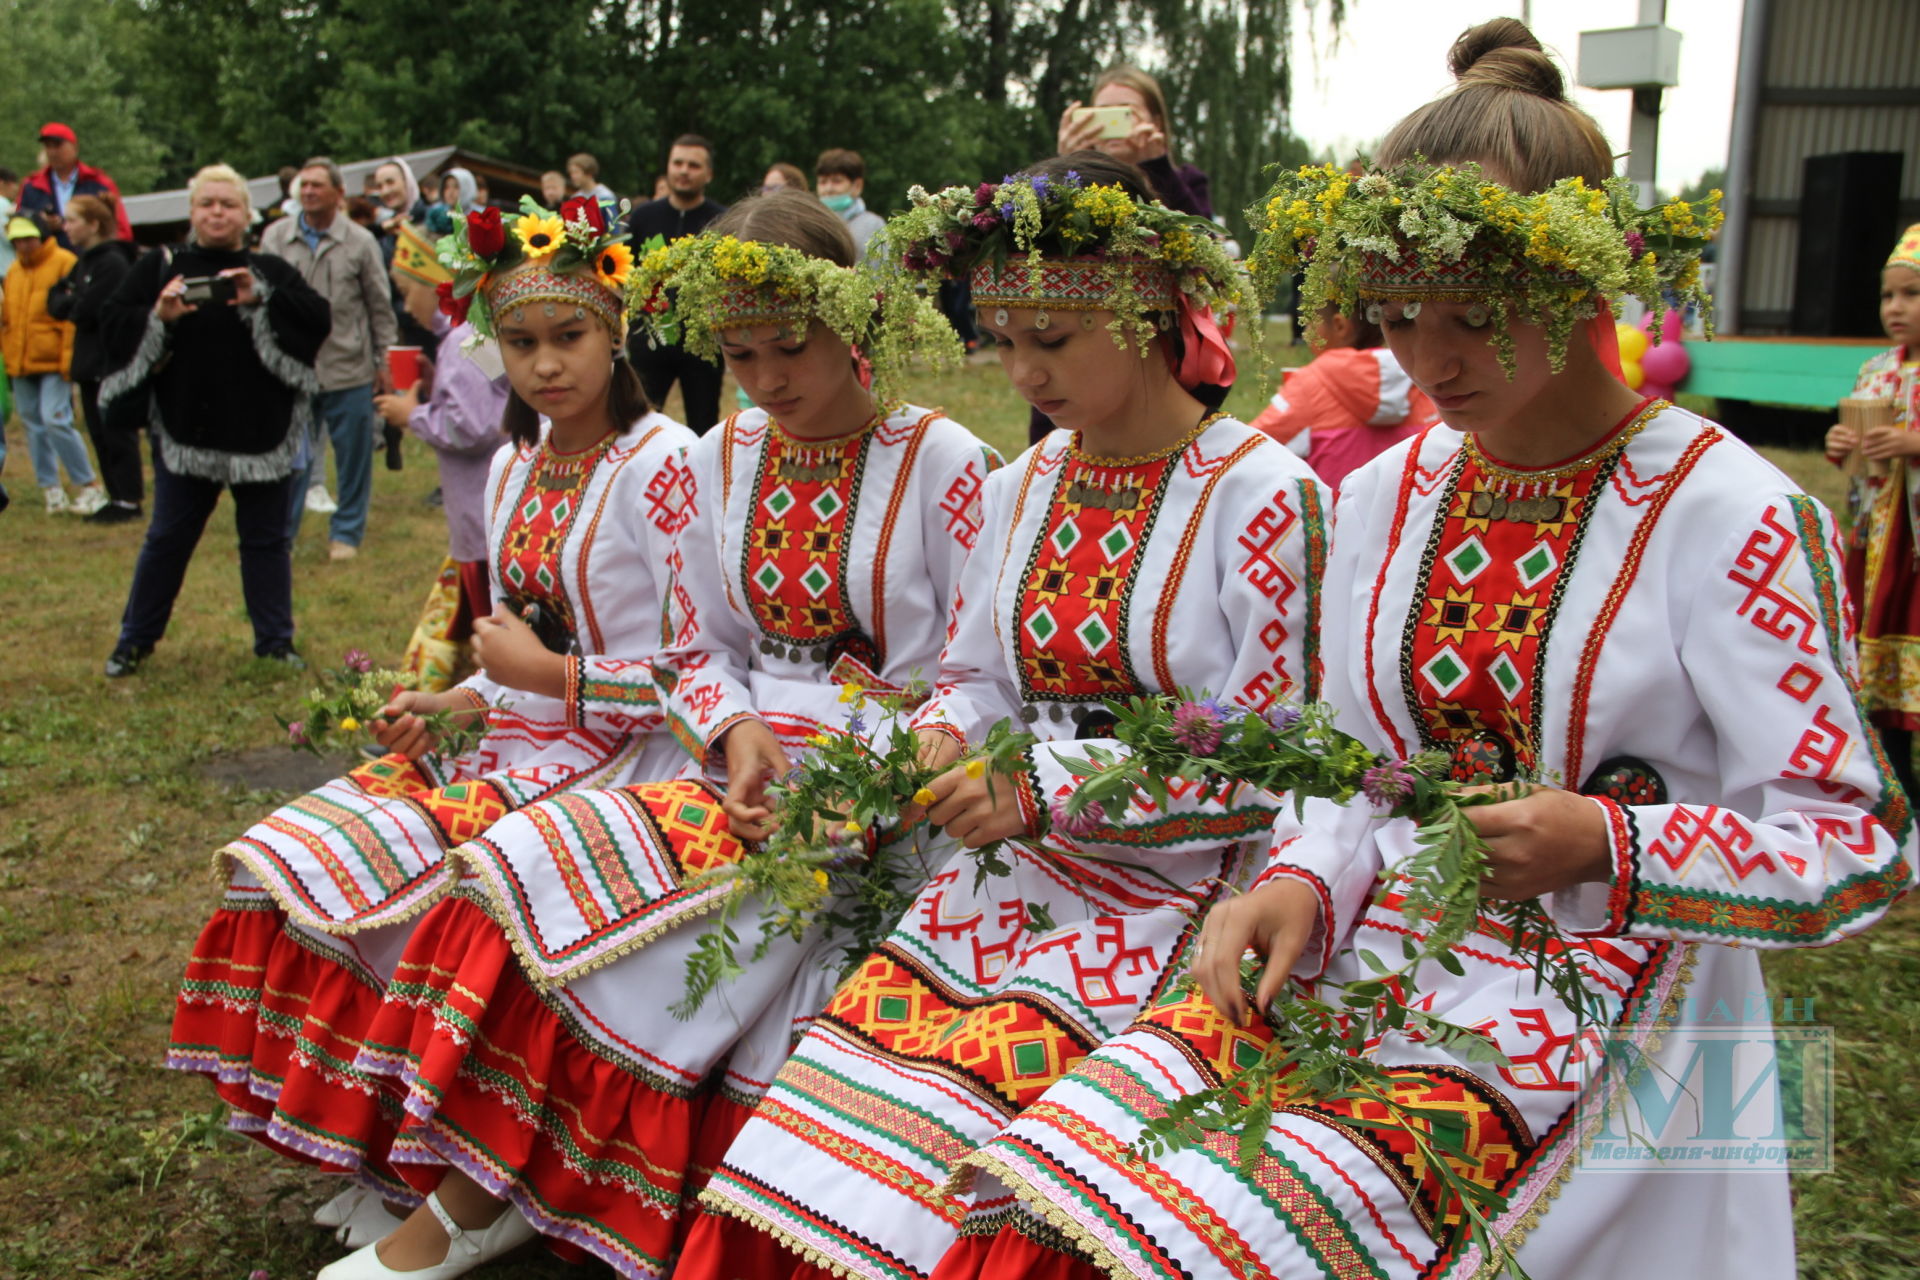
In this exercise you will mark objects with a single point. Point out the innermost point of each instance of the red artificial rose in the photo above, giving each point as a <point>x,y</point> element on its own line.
<point>585,207</point>
<point>485,235</point>
<point>455,307</point>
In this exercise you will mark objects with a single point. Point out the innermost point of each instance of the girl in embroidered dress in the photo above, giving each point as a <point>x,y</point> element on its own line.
<point>288,974</point>
<point>820,535</point>
<point>1698,689</point>
<point>1148,545</point>
<point>1883,546</point>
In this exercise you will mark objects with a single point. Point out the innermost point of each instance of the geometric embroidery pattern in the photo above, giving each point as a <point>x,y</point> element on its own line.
<point>797,550</point>
<point>1073,606</point>
<point>529,563</point>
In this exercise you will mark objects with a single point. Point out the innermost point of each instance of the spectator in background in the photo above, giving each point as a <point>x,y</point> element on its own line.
<point>343,265</point>
<point>364,213</point>
<point>660,186</point>
<point>457,191</point>
<point>783,176</point>
<point>458,408</point>
<point>38,351</point>
<point>553,188</point>
<point>840,179</point>
<point>398,191</point>
<point>9,192</point>
<point>1148,144</point>
<point>225,388</point>
<point>81,298</point>
<point>583,174</point>
<point>44,195</point>
<point>482,194</point>
<point>684,211</point>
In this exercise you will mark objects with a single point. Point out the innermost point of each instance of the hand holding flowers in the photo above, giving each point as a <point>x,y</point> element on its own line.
<point>356,698</point>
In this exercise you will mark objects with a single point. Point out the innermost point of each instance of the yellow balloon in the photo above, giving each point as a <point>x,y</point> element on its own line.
<point>1633,343</point>
<point>1630,371</point>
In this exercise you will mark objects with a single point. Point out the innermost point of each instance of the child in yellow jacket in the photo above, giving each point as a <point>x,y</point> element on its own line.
<point>38,352</point>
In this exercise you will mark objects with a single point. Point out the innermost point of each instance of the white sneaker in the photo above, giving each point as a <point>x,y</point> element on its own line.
<point>465,1250</point>
<point>319,501</point>
<point>89,500</point>
<point>56,500</point>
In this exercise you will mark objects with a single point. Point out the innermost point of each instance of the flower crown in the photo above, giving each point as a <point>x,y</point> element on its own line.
<point>575,255</point>
<point>691,291</point>
<point>1032,241</point>
<point>1422,231</point>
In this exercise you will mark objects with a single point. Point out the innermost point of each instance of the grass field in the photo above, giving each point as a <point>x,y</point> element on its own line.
<point>113,794</point>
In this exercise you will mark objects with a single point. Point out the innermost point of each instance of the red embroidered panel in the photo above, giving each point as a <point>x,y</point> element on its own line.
<point>795,563</point>
<point>1072,610</point>
<point>529,561</point>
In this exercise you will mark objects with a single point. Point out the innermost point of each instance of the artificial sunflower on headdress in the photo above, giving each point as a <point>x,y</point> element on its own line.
<point>539,233</point>
<point>581,241</point>
<point>614,264</point>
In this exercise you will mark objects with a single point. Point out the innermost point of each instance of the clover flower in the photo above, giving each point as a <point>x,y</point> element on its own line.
<point>1084,823</point>
<point>357,660</point>
<point>1196,726</point>
<point>1387,783</point>
<point>297,733</point>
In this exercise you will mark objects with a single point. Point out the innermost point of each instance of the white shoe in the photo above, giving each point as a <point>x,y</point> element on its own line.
<point>370,1220</point>
<point>56,500</point>
<point>319,501</point>
<point>89,500</point>
<point>465,1249</point>
<point>335,1212</point>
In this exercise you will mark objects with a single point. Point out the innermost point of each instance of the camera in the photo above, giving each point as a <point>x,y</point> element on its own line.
<point>199,290</point>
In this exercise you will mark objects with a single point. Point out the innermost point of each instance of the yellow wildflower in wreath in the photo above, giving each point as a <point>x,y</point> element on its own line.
<point>539,235</point>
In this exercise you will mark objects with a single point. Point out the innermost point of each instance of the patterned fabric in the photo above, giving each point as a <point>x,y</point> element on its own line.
<point>993,987</point>
<point>1883,556</point>
<point>1070,284</point>
<point>1692,621</point>
<point>805,494</point>
<point>440,651</point>
<point>325,891</point>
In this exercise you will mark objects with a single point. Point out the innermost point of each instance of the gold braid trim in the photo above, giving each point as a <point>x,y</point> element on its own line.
<point>1052,1214</point>
<point>767,1226</point>
<point>427,897</point>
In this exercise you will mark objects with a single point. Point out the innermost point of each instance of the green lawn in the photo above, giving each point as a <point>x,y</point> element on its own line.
<point>112,1167</point>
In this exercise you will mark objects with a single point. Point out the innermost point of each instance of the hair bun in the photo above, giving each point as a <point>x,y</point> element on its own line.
<point>1504,54</point>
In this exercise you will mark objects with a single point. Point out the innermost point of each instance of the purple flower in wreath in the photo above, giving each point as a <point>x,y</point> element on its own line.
<point>1636,246</point>
<point>983,193</point>
<point>1040,186</point>
<point>1197,725</point>
<point>986,220</point>
<point>357,660</point>
<point>1387,783</point>
<point>915,260</point>
<point>1073,177</point>
<point>297,732</point>
<point>1283,717</point>
<point>1079,824</point>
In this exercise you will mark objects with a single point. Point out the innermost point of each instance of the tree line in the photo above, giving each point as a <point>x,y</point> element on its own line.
<point>929,91</point>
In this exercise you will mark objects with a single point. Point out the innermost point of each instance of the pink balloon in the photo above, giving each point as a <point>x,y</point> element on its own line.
<point>1672,327</point>
<point>1666,363</point>
<point>1656,390</point>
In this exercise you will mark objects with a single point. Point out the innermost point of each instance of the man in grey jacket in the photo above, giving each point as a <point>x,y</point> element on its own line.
<point>342,262</point>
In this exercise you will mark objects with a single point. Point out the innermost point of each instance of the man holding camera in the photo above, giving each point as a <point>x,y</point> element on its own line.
<point>342,262</point>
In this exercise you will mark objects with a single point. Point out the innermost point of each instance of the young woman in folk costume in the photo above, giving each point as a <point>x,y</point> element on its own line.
<point>286,977</point>
<point>528,1030</point>
<point>1883,549</point>
<point>1151,544</point>
<point>1563,581</point>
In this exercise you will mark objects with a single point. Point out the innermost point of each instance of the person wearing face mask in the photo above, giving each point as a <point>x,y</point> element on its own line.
<point>1149,544</point>
<point>224,380</point>
<point>455,409</point>
<point>840,180</point>
<point>1630,624</point>
<point>818,539</point>
<point>291,971</point>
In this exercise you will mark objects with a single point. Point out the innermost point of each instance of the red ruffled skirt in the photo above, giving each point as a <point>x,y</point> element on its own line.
<point>721,1247</point>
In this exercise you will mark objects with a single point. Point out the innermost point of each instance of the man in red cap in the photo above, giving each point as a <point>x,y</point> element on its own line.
<point>44,194</point>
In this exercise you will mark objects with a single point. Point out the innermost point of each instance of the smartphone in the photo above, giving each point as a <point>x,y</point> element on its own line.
<point>1108,122</point>
<point>199,290</point>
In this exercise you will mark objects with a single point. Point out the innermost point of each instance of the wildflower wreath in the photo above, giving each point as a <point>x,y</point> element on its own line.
<point>1422,231</point>
<point>692,290</point>
<point>1013,236</point>
<point>578,240</point>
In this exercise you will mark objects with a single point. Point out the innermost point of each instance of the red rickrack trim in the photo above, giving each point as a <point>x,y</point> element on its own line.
<point>1621,842</point>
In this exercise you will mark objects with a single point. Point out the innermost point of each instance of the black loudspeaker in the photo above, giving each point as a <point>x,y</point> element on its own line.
<point>1849,220</point>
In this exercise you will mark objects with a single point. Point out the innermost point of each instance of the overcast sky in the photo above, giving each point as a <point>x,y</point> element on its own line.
<point>1392,56</point>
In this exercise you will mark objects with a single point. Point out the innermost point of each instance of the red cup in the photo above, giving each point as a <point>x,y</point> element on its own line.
<point>403,366</point>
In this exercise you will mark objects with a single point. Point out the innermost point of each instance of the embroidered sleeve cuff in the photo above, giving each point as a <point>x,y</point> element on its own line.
<point>1602,910</point>
<point>1026,792</point>
<point>475,697</point>
<point>570,666</point>
<point>1317,954</point>
<point>941,726</point>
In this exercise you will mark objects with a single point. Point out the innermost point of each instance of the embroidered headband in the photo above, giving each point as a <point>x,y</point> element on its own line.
<point>1423,232</point>
<point>416,259</point>
<point>576,256</point>
<point>692,291</point>
<point>1907,252</point>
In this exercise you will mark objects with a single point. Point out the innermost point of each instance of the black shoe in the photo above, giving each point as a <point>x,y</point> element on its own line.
<point>286,657</point>
<point>126,659</point>
<point>113,513</point>
<point>434,499</point>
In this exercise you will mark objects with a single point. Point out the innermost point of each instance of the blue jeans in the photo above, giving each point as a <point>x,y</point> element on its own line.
<point>347,416</point>
<point>45,404</point>
<point>181,505</point>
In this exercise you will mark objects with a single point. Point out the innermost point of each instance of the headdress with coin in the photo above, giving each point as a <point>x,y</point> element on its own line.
<point>1067,248</point>
<point>1420,232</point>
<point>699,287</point>
<point>576,258</point>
